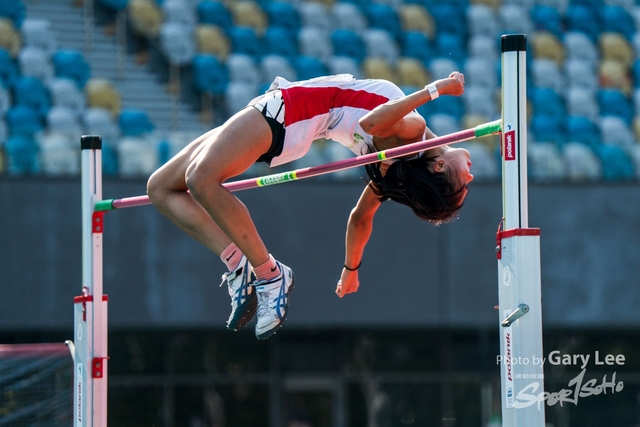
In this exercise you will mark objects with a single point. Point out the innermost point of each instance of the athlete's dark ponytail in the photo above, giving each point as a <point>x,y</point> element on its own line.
<point>433,196</point>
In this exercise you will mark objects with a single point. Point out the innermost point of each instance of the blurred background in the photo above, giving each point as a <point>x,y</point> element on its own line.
<point>417,345</point>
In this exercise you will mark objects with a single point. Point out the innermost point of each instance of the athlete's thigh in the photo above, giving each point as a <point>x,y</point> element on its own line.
<point>234,148</point>
<point>171,175</point>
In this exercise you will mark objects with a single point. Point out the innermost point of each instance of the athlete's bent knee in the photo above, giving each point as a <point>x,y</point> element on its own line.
<point>200,180</point>
<point>155,189</point>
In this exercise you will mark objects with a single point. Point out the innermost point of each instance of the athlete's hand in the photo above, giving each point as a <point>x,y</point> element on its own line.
<point>348,283</point>
<point>452,85</point>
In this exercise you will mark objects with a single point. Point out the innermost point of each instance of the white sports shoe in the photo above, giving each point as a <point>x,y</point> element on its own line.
<point>243,298</point>
<point>273,301</point>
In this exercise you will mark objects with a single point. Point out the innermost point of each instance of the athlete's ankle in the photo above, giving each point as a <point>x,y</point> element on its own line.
<point>268,270</point>
<point>231,256</point>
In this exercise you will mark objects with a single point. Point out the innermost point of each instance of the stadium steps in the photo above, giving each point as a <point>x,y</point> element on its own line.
<point>139,88</point>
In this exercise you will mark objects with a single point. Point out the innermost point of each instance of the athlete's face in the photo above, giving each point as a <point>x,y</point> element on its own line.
<point>457,162</point>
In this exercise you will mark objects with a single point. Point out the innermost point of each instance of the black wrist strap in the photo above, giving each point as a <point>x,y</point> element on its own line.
<point>353,269</point>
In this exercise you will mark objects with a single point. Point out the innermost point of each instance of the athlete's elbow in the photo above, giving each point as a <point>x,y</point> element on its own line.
<point>369,125</point>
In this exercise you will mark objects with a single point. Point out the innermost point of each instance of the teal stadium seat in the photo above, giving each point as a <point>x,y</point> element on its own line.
<point>308,67</point>
<point>547,18</point>
<point>451,45</point>
<point>209,75</point>
<point>244,40</point>
<point>348,43</point>
<point>23,120</point>
<point>548,128</point>
<point>31,92</point>
<point>384,17</point>
<point>72,65</point>
<point>617,19</point>
<point>214,13</point>
<point>443,12</point>
<point>416,45</point>
<point>134,122</point>
<point>583,130</point>
<point>280,41</point>
<point>613,102</point>
<point>8,69</point>
<point>547,101</point>
<point>616,165</point>
<point>22,152</point>
<point>283,15</point>
<point>13,10</point>
<point>584,19</point>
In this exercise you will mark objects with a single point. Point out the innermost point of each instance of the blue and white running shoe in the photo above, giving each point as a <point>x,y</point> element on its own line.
<point>273,301</point>
<point>243,298</point>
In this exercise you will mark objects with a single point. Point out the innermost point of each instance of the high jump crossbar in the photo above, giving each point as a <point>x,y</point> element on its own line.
<point>518,252</point>
<point>489,128</point>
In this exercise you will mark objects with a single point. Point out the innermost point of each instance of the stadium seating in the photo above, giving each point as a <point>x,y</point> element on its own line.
<point>209,74</point>
<point>308,67</point>
<point>35,62</point>
<point>283,15</point>
<point>348,43</point>
<point>315,41</point>
<point>72,65</point>
<point>22,152</point>
<point>272,66</point>
<point>210,12</point>
<point>583,71</point>
<point>243,68</point>
<point>211,39</point>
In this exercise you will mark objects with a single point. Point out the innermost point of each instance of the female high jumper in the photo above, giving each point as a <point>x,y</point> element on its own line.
<point>279,127</point>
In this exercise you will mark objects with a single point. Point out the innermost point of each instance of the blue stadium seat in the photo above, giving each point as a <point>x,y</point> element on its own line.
<point>13,10</point>
<point>109,159</point>
<point>214,13</point>
<point>384,17</point>
<point>616,165</point>
<point>548,128</point>
<point>583,19</point>
<point>114,5</point>
<point>547,101</point>
<point>635,70</point>
<point>209,74</point>
<point>283,15</point>
<point>308,67</point>
<point>23,120</point>
<point>71,64</point>
<point>618,20</point>
<point>8,69</point>
<point>134,122</point>
<point>613,102</point>
<point>22,151</point>
<point>31,92</point>
<point>280,41</point>
<point>452,46</point>
<point>443,13</point>
<point>447,105</point>
<point>588,3</point>
<point>416,45</point>
<point>547,18</point>
<point>582,129</point>
<point>348,43</point>
<point>244,40</point>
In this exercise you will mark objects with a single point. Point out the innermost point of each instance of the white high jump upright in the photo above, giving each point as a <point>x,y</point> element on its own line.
<point>518,252</point>
<point>89,349</point>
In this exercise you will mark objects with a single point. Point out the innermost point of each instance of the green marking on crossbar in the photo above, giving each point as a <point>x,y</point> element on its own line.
<point>488,128</point>
<point>276,178</point>
<point>104,205</point>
